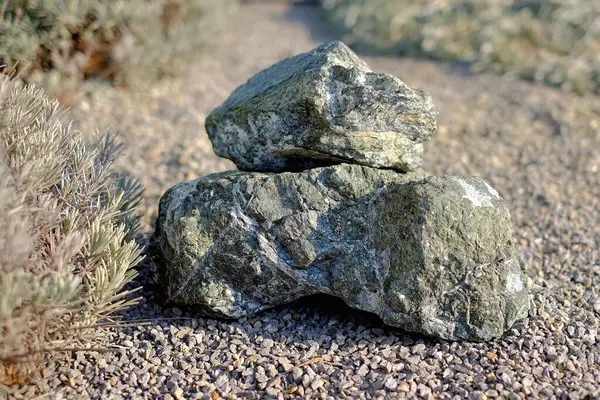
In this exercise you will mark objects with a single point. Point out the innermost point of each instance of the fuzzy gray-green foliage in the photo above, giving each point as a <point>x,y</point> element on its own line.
<point>68,222</point>
<point>556,42</point>
<point>129,41</point>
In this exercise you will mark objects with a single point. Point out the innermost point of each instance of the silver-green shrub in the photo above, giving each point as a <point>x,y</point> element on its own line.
<point>556,42</point>
<point>67,224</point>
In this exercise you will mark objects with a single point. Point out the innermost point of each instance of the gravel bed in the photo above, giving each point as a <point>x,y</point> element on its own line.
<point>539,147</point>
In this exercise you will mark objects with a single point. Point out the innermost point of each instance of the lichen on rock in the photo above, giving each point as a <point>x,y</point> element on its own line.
<point>427,254</point>
<point>320,108</point>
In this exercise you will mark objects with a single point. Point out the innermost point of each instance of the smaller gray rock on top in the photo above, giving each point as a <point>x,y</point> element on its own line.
<point>322,108</point>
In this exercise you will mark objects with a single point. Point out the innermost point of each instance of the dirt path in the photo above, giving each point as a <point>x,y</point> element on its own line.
<point>539,147</point>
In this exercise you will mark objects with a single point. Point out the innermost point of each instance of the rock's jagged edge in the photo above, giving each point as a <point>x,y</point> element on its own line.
<point>430,255</point>
<point>321,108</point>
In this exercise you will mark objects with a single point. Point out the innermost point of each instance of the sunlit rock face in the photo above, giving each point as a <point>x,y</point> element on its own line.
<point>321,108</point>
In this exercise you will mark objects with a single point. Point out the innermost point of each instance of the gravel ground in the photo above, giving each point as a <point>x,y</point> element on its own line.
<point>539,147</point>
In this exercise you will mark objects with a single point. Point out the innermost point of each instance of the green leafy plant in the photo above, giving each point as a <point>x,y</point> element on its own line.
<point>68,223</point>
<point>556,42</point>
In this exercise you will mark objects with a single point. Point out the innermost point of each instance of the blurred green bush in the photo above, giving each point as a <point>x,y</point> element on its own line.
<point>123,40</point>
<point>67,232</point>
<point>556,42</point>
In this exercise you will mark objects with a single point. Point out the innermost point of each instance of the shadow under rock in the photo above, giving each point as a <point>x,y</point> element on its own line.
<point>307,319</point>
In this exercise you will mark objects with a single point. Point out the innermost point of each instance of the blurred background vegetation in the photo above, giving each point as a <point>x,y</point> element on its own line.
<point>57,43</point>
<point>556,42</point>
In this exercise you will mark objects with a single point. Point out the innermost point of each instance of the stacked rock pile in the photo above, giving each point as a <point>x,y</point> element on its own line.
<point>331,198</point>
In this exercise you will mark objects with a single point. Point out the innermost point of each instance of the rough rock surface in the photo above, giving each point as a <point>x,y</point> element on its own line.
<point>428,254</point>
<point>321,108</point>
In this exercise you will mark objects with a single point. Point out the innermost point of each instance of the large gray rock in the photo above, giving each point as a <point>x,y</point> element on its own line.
<point>433,255</point>
<point>321,108</point>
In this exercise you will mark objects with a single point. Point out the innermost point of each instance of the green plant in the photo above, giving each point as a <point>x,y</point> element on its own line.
<point>126,41</point>
<point>556,42</point>
<point>68,222</point>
